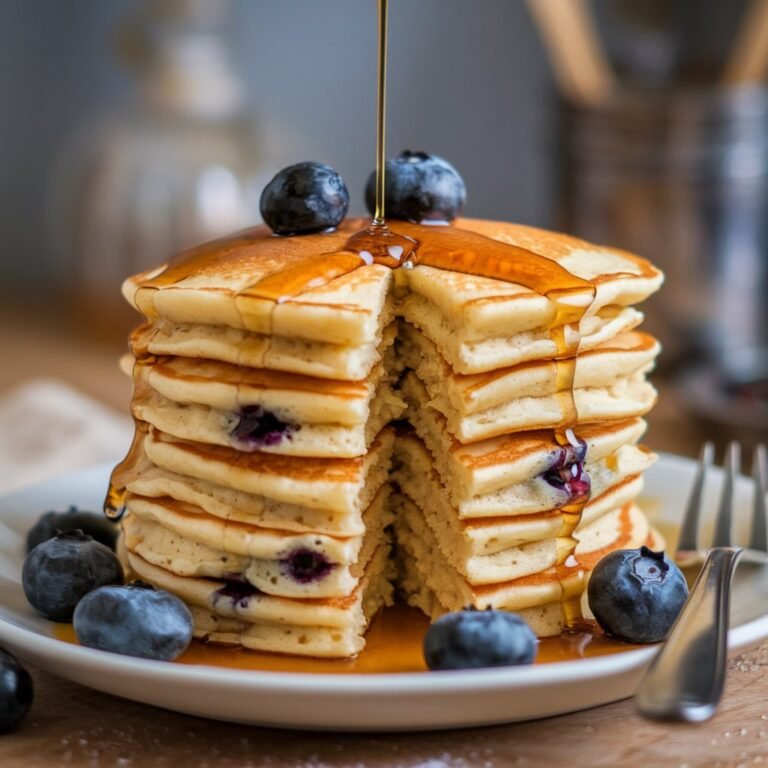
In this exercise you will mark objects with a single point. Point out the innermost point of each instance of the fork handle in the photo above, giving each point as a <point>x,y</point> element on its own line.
<point>685,679</point>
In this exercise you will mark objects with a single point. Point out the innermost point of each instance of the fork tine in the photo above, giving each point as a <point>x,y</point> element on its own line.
<point>758,538</point>
<point>689,530</point>
<point>723,522</point>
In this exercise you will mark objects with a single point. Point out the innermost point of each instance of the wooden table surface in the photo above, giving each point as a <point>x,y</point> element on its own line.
<point>73,726</point>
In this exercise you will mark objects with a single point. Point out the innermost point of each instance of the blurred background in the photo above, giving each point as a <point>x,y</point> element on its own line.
<point>132,128</point>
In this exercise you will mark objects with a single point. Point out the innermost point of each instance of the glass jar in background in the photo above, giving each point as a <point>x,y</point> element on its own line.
<point>681,177</point>
<point>181,165</point>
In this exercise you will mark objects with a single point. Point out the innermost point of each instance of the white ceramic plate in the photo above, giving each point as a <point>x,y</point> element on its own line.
<point>402,701</point>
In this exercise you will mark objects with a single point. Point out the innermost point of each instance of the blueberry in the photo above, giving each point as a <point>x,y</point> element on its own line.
<point>62,570</point>
<point>135,620</point>
<point>238,591</point>
<point>419,187</point>
<point>16,692</point>
<point>305,565</point>
<point>471,639</point>
<point>636,594</point>
<point>568,474</point>
<point>92,523</point>
<point>258,427</point>
<point>303,198</point>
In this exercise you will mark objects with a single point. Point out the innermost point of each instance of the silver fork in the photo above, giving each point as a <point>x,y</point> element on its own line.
<point>685,679</point>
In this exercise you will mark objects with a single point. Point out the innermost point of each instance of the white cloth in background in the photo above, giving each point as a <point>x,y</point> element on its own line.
<point>47,428</point>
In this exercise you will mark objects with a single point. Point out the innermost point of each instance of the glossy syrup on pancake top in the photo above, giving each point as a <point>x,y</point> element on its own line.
<point>406,245</point>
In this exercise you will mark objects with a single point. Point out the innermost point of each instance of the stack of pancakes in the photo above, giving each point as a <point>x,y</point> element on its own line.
<point>266,480</point>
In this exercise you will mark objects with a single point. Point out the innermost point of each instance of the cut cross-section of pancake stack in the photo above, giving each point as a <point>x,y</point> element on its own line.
<point>266,481</point>
<point>505,436</point>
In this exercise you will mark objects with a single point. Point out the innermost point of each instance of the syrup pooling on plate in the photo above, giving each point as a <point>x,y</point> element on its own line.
<point>394,644</point>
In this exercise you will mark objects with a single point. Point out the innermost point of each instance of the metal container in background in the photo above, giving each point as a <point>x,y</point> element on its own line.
<point>682,178</point>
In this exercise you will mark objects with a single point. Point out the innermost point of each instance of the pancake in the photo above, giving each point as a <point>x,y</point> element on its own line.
<point>480,535</point>
<point>225,612</point>
<point>268,431</point>
<point>256,409</point>
<point>240,347</point>
<point>231,504</point>
<point>546,620</point>
<point>294,398</point>
<point>185,540</point>
<point>609,383</point>
<point>210,285</point>
<point>327,484</point>
<point>482,305</point>
<point>489,466</point>
<point>625,527</point>
<point>479,356</point>
<point>222,283</point>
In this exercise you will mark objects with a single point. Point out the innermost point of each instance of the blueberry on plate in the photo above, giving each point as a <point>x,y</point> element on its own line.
<point>62,570</point>
<point>96,525</point>
<point>16,692</point>
<point>135,620</point>
<point>304,198</point>
<point>471,639</point>
<point>636,594</point>
<point>419,187</point>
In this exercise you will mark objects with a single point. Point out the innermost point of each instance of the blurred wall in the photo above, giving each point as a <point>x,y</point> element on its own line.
<point>468,79</point>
